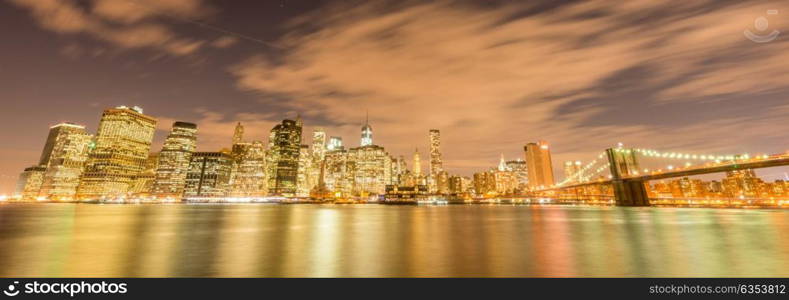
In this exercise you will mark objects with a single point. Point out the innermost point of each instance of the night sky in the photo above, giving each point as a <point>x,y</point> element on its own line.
<point>491,75</point>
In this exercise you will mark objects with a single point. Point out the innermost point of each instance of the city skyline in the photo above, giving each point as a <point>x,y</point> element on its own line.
<point>181,72</point>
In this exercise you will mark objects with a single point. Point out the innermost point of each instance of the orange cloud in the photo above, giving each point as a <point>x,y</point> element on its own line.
<point>493,82</point>
<point>126,24</point>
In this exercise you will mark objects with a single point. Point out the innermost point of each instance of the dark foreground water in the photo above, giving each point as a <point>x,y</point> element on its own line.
<point>373,241</point>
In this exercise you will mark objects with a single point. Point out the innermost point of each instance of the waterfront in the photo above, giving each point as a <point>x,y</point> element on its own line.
<point>270,240</point>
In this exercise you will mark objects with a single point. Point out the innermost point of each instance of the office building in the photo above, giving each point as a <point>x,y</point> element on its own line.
<point>538,163</point>
<point>174,160</point>
<point>283,157</point>
<point>66,152</point>
<point>123,143</point>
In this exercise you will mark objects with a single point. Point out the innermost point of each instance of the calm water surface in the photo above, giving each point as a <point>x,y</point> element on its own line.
<point>85,240</point>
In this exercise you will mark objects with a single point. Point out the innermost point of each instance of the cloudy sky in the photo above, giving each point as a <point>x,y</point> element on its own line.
<point>491,75</point>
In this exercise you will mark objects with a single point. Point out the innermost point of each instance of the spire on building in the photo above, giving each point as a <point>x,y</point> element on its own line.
<point>238,135</point>
<point>502,163</point>
<point>367,132</point>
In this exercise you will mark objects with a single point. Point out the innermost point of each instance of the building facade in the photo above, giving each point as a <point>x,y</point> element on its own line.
<point>68,146</point>
<point>174,160</point>
<point>538,163</point>
<point>209,175</point>
<point>123,142</point>
<point>249,175</point>
<point>283,157</point>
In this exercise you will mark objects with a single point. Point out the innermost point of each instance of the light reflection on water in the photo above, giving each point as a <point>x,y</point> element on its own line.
<point>53,240</point>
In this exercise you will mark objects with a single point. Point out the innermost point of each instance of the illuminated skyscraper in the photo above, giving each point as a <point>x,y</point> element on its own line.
<point>123,143</point>
<point>68,146</point>
<point>249,177</point>
<point>435,152</point>
<point>417,164</point>
<point>518,167</point>
<point>370,168</point>
<point>335,143</point>
<point>538,163</point>
<point>367,133</point>
<point>283,157</point>
<point>336,174</point>
<point>209,175</point>
<point>318,144</point>
<point>174,160</point>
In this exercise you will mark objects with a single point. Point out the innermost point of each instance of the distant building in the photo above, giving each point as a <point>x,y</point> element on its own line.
<point>538,163</point>
<point>249,175</point>
<point>417,164</point>
<point>336,174</point>
<point>283,157</point>
<point>209,175</point>
<point>123,143</point>
<point>741,183</point>
<point>367,134</point>
<point>238,134</point>
<point>174,160</point>
<point>68,147</point>
<point>318,144</point>
<point>370,169</point>
<point>436,165</point>
<point>30,181</point>
<point>572,171</point>
<point>335,143</point>
<point>459,185</point>
<point>304,184</point>
<point>518,167</point>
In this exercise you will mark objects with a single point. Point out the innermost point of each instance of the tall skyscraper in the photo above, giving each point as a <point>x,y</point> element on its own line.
<point>238,134</point>
<point>123,143</point>
<point>435,152</point>
<point>367,133</point>
<point>336,172</point>
<point>417,164</point>
<point>209,175</point>
<point>174,160</point>
<point>249,177</point>
<point>518,167</point>
<point>284,150</point>
<point>318,144</point>
<point>335,143</point>
<point>68,147</point>
<point>56,132</point>
<point>538,163</point>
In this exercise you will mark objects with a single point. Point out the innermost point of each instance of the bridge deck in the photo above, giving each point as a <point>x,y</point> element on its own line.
<point>760,164</point>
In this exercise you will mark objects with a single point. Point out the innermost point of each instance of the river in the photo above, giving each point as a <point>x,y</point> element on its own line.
<point>368,240</point>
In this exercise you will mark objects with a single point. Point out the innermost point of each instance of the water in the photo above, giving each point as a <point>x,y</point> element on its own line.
<point>372,241</point>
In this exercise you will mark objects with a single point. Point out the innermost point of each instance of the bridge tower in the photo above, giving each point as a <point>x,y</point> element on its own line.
<point>627,192</point>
